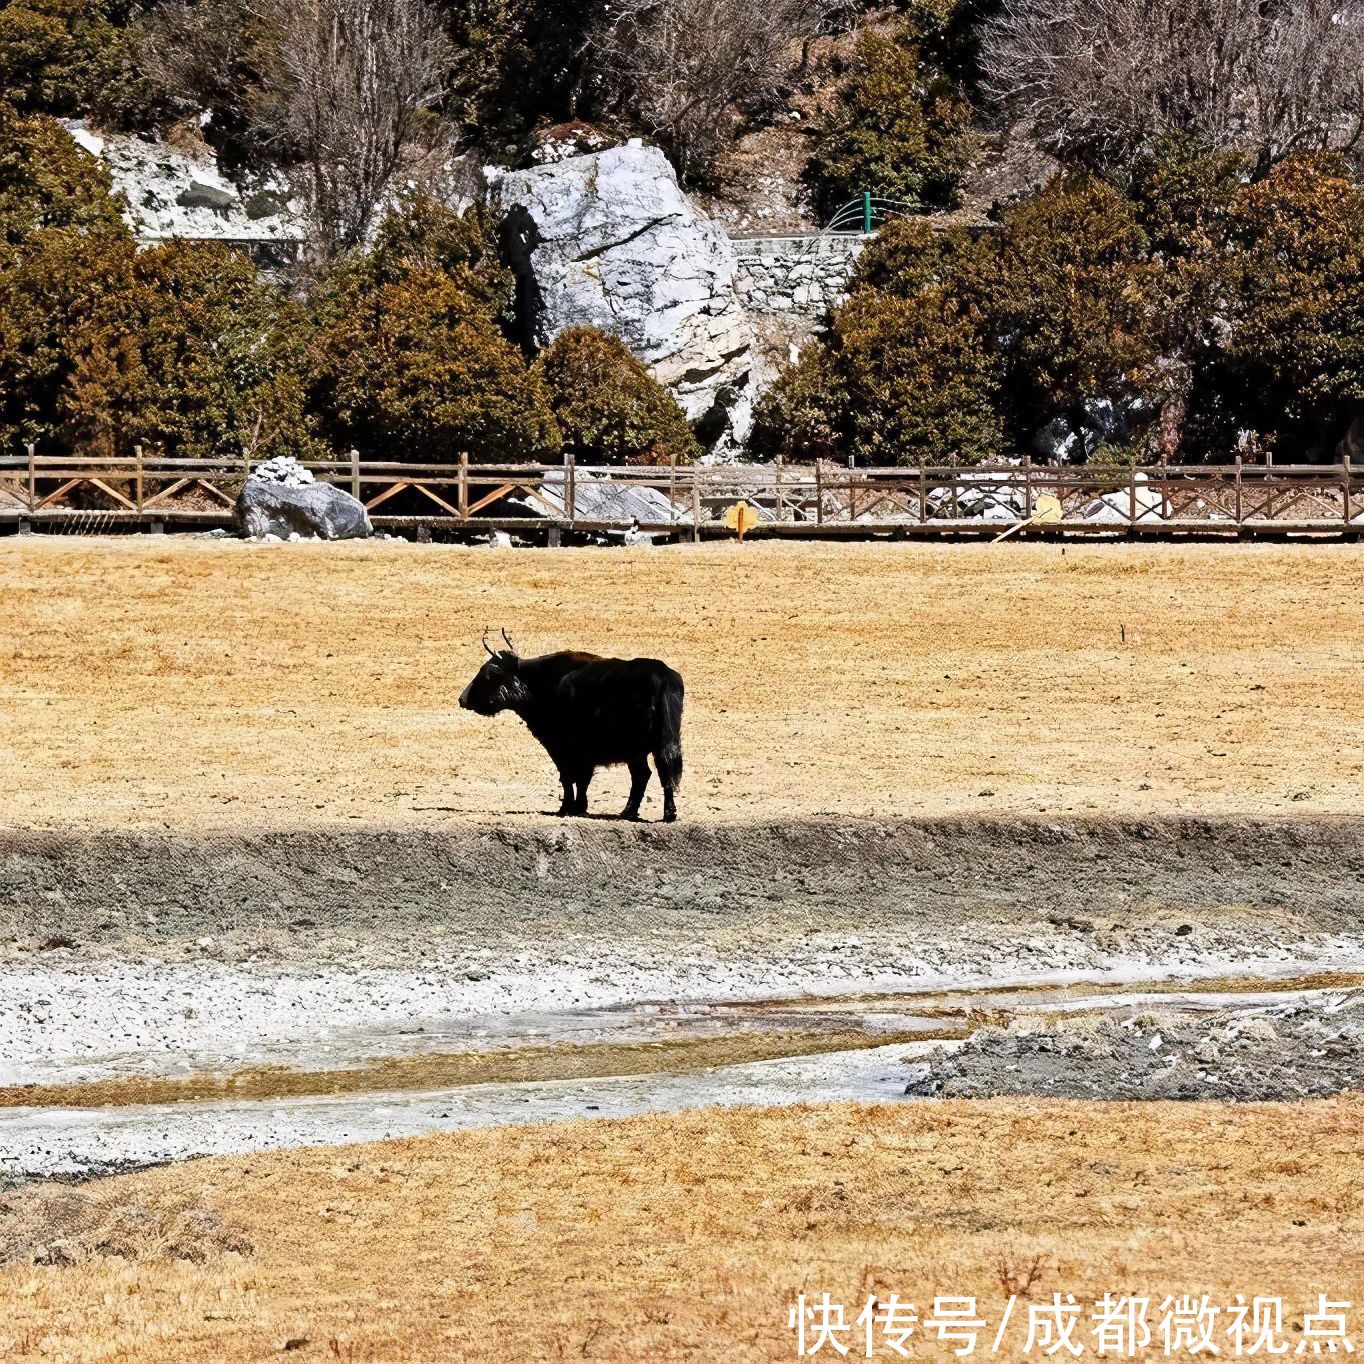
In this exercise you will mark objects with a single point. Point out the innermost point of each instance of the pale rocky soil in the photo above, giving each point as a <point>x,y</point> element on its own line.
<point>1295,1050</point>
<point>188,685</point>
<point>687,1237</point>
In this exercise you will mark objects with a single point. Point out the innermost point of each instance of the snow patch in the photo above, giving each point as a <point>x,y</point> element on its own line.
<point>173,193</point>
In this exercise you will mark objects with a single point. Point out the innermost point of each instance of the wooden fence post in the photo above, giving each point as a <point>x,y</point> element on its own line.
<point>776,466</point>
<point>1345,478</point>
<point>1132,498</point>
<point>1027,487</point>
<point>463,485</point>
<point>819,492</point>
<point>695,506</point>
<point>852,490</point>
<point>570,486</point>
<point>1238,490</point>
<point>355,473</point>
<point>32,479</point>
<point>137,453</point>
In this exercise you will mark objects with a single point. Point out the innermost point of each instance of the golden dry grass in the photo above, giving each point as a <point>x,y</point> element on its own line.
<point>183,683</point>
<point>686,1237</point>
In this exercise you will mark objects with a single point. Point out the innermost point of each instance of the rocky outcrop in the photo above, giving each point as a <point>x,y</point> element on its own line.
<point>1300,1048</point>
<point>610,240</point>
<point>315,510</point>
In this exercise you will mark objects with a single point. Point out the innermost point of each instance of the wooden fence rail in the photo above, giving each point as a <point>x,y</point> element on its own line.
<point>690,501</point>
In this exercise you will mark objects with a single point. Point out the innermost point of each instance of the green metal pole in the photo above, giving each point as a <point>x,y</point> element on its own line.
<point>866,212</point>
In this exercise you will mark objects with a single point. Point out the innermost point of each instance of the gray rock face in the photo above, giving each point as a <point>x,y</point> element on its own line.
<point>609,240</point>
<point>317,509</point>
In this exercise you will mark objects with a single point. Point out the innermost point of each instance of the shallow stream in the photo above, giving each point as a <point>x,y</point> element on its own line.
<point>97,1112</point>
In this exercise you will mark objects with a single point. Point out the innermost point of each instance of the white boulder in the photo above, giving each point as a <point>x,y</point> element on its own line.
<point>610,240</point>
<point>1117,508</point>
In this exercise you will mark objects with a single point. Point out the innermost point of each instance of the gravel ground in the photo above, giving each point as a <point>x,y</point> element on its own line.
<point>168,1006</point>
<point>1295,1050</point>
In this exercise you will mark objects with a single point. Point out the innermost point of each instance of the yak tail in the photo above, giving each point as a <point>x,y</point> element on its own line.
<point>668,755</point>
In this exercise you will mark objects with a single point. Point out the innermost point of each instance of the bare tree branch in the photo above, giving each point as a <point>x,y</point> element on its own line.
<point>688,68</point>
<point>351,85</point>
<point>1100,79</point>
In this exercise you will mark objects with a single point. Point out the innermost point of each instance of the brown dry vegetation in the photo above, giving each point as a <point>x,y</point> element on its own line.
<point>187,684</point>
<point>686,1237</point>
<point>448,1070</point>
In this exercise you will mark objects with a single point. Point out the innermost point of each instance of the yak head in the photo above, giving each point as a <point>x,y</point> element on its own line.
<point>498,685</point>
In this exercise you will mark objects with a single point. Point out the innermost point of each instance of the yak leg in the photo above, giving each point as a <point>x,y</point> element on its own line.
<point>580,802</point>
<point>669,777</point>
<point>639,779</point>
<point>566,806</point>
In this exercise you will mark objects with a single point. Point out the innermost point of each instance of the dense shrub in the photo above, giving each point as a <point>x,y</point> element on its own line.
<point>900,380</point>
<point>1294,355</point>
<point>1208,311</point>
<point>908,255</point>
<point>1254,304</point>
<point>609,408</point>
<point>1065,298</point>
<point>411,360</point>
<point>180,348</point>
<point>899,129</point>
<point>46,295</point>
<point>1059,296</point>
<point>220,356</point>
<point>954,348</point>
<point>423,233</point>
<point>54,52</point>
<point>417,369</point>
<point>803,415</point>
<point>47,181</point>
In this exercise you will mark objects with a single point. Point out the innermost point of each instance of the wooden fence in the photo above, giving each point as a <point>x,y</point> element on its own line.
<point>38,491</point>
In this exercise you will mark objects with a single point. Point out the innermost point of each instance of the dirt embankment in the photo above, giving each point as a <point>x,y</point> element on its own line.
<point>315,893</point>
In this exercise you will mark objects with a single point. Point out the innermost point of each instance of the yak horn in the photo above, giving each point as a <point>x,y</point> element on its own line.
<point>510,645</point>
<point>491,653</point>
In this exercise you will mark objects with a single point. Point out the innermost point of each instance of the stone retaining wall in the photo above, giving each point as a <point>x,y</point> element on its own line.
<point>800,275</point>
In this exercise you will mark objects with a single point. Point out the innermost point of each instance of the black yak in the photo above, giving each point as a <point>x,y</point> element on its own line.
<point>590,712</point>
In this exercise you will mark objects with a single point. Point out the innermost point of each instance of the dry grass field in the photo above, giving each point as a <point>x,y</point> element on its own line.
<point>686,1237</point>
<point>211,685</point>
<point>193,683</point>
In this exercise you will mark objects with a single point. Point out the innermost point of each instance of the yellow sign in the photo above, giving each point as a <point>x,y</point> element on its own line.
<point>741,518</point>
<point>1047,510</point>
